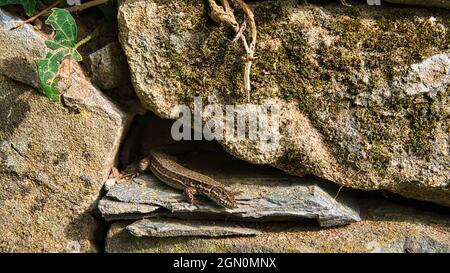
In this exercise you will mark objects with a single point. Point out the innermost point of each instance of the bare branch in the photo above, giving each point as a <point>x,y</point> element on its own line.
<point>251,19</point>
<point>31,19</point>
<point>251,51</point>
<point>240,33</point>
<point>226,5</point>
<point>224,15</point>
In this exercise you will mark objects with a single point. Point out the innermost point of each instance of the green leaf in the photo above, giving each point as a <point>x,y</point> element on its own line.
<point>28,5</point>
<point>65,27</point>
<point>62,45</point>
<point>48,69</point>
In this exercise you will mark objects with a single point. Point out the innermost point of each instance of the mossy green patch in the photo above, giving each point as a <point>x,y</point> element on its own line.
<point>339,63</point>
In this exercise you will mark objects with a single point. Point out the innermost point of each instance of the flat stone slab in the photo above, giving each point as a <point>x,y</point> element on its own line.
<point>262,197</point>
<point>386,228</point>
<point>116,210</point>
<point>429,3</point>
<point>177,228</point>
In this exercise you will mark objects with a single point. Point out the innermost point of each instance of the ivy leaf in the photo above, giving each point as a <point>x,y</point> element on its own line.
<point>28,5</point>
<point>66,30</point>
<point>63,44</point>
<point>48,70</point>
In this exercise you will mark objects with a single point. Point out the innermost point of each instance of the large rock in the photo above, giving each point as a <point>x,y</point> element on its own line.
<point>428,3</point>
<point>263,194</point>
<point>177,228</point>
<point>54,155</point>
<point>108,67</point>
<point>386,227</point>
<point>362,90</point>
<point>19,48</point>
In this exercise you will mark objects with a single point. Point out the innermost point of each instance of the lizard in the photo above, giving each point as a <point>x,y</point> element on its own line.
<point>168,170</point>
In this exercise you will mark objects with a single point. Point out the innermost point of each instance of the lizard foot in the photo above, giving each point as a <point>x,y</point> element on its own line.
<point>190,196</point>
<point>130,173</point>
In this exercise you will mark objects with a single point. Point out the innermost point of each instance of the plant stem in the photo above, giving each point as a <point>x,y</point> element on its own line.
<point>251,50</point>
<point>31,19</point>
<point>84,6</point>
<point>224,14</point>
<point>89,37</point>
<point>87,5</point>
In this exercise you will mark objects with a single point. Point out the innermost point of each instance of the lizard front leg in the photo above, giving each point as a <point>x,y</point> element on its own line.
<point>134,170</point>
<point>190,195</point>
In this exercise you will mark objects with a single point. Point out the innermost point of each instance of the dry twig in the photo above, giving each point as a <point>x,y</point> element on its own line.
<point>87,5</point>
<point>224,14</point>
<point>31,19</point>
<point>83,6</point>
<point>338,192</point>
<point>46,12</point>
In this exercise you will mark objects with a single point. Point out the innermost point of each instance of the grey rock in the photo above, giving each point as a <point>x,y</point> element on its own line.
<point>427,76</point>
<point>115,210</point>
<point>428,3</point>
<point>108,67</point>
<point>424,244</point>
<point>54,159</point>
<point>267,198</point>
<point>109,183</point>
<point>385,228</point>
<point>409,244</point>
<point>19,48</point>
<point>176,228</point>
<point>362,100</point>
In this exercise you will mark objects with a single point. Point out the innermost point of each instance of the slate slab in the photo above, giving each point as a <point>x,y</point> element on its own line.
<point>115,210</point>
<point>177,228</point>
<point>386,228</point>
<point>271,198</point>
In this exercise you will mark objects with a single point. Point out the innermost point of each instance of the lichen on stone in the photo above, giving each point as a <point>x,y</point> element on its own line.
<point>349,69</point>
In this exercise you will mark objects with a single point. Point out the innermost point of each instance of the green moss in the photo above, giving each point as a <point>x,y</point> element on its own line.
<point>322,78</point>
<point>388,46</point>
<point>424,116</point>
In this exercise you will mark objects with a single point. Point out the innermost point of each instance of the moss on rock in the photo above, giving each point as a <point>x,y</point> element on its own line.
<point>347,68</point>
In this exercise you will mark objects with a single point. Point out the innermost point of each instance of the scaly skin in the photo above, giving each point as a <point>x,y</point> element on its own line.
<point>193,183</point>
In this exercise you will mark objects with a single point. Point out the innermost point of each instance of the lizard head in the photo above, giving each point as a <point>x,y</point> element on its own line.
<point>223,198</point>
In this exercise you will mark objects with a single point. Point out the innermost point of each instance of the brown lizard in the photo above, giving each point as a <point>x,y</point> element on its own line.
<point>179,177</point>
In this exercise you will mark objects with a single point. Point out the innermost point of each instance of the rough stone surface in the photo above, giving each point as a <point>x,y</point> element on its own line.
<point>386,228</point>
<point>115,210</point>
<point>271,198</point>
<point>19,48</point>
<point>177,228</point>
<point>428,3</point>
<point>263,194</point>
<point>424,244</point>
<point>53,164</point>
<point>362,90</point>
<point>54,155</point>
<point>108,67</point>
